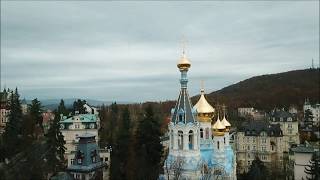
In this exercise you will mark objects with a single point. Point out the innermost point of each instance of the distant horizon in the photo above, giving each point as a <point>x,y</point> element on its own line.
<point>127,51</point>
<point>133,102</point>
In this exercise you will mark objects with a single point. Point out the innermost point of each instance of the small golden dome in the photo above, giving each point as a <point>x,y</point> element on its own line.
<point>218,128</point>
<point>183,63</point>
<point>226,124</point>
<point>204,109</point>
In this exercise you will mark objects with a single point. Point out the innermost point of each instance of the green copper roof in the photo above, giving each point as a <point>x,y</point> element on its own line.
<point>84,118</point>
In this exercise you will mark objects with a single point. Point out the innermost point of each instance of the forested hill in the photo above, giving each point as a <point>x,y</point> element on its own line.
<point>269,91</point>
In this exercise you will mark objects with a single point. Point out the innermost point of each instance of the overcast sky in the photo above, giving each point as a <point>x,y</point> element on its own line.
<point>127,51</point>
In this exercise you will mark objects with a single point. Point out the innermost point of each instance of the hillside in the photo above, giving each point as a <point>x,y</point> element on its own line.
<point>268,91</point>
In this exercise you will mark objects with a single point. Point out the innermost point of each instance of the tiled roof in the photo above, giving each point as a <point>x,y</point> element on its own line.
<point>282,114</point>
<point>254,128</point>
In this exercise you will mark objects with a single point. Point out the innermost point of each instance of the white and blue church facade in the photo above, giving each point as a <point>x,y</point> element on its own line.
<point>198,145</point>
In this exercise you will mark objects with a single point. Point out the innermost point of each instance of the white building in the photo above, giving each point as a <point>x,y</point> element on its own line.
<point>90,109</point>
<point>301,156</point>
<point>75,126</point>
<point>315,110</point>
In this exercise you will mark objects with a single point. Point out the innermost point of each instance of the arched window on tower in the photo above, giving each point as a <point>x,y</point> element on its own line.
<point>218,144</point>
<point>180,118</point>
<point>207,133</point>
<point>180,140</point>
<point>190,139</point>
<point>224,140</point>
<point>201,133</point>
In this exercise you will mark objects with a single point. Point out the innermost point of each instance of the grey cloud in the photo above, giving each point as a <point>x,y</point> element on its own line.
<point>103,49</point>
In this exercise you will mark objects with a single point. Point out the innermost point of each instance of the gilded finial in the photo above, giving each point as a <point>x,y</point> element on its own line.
<point>183,44</point>
<point>202,87</point>
<point>183,63</point>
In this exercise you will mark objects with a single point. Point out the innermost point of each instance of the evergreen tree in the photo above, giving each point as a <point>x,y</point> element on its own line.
<point>313,170</point>
<point>78,106</point>
<point>55,143</point>
<point>148,146</point>
<point>62,108</point>
<point>123,142</point>
<point>12,135</point>
<point>258,171</point>
<point>35,111</point>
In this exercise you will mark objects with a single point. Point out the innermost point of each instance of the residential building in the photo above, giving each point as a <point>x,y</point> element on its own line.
<point>87,164</point>
<point>250,112</point>
<point>258,139</point>
<point>300,157</point>
<point>76,125</point>
<point>288,124</point>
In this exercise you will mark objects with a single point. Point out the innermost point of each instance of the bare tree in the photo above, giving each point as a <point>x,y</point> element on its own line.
<point>206,171</point>
<point>174,167</point>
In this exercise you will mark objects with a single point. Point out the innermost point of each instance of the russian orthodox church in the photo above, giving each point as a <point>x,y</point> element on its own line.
<point>198,145</point>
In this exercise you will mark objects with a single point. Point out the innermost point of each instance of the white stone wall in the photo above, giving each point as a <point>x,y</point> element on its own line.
<point>70,136</point>
<point>300,161</point>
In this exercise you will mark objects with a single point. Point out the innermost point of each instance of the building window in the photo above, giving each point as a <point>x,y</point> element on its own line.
<point>218,145</point>
<point>207,133</point>
<point>248,148</point>
<point>190,139</point>
<point>79,161</point>
<point>180,139</point>
<point>106,159</point>
<point>201,133</point>
<point>72,161</point>
<point>289,125</point>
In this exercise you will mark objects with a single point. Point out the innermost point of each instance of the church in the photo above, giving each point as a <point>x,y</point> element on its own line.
<point>198,142</point>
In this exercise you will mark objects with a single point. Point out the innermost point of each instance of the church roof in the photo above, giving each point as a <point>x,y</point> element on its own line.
<point>202,106</point>
<point>225,122</point>
<point>183,105</point>
<point>218,125</point>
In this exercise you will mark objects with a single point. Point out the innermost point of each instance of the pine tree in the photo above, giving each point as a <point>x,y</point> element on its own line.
<point>78,106</point>
<point>123,141</point>
<point>12,135</point>
<point>35,110</point>
<point>55,142</point>
<point>313,170</point>
<point>62,108</point>
<point>148,146</point>
<point>258,171</point>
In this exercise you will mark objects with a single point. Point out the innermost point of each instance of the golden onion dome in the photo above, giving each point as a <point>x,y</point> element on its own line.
<point>184,63</point>
<point>226,123</point>
<point>204,109</point>
<point>202,106</point>
<point>218,128</point>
